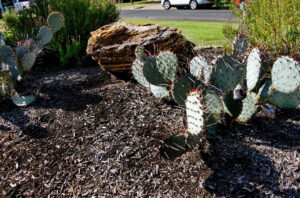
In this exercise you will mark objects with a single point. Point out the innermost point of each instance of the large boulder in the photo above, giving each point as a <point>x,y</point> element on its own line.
<point>113,45</point>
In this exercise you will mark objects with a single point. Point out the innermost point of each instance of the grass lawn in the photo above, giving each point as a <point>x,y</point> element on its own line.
<point>200,33</point>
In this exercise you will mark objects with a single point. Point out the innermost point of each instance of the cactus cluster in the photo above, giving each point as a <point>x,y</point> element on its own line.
<point>231,88</point>
<point>14,64</point>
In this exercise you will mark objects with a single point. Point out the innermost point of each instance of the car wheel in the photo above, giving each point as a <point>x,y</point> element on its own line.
<point>166,5</point>
<point>193,4</point>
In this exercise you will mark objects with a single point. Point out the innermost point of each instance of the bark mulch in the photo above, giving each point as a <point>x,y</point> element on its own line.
<point>91,135</point>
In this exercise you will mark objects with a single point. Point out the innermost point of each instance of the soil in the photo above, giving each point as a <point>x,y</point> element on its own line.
<point>89,134</point>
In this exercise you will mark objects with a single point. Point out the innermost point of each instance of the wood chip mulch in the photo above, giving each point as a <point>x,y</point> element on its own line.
<point>90,135</point>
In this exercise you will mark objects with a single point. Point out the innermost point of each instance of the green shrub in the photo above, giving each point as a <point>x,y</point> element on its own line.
<point>81,17</point>
<point>270,24</point>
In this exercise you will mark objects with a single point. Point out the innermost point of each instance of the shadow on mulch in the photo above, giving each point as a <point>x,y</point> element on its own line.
<point>241,169</point>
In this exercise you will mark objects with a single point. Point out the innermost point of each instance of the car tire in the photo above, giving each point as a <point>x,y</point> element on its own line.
<point>166,5</point>
<point>193,4</point>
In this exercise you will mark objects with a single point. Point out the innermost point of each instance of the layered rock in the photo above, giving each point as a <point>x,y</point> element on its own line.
<point>113,45</point>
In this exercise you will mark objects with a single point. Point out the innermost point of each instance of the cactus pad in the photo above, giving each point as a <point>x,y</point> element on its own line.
<point>55,21</point>
<point>28,61</point>
<point>22,50</point>
<point>286,75</point>
<point>199,67</point>
<point>177,145</point>
<point>240,45</point>
<point>2,41</point>
<point>285,100</point>
<point>265,91</point>
<point>45,35</point>
<point>167,65</point>
<point>254,68</point>
<point>195,113</point>
<point>5,52</point>
<point>182,87</point>
<point>151,72</point>
<point>137,71</point>
<point>13,68</point>
<point>211,125</point>
<point>23,101</point>
<point>249,109</point>
<point>140,53</point>
<point>228,72</point>
<point>159,92</point>
<point>213,103</point>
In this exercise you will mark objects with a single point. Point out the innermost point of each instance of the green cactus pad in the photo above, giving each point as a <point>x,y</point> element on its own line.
<point>55,21</point>
<point>140,53</point>
<point>228,72</point>
<point>5,52</point>
<point>211,125</point>
<point>167,65</point>
<point>199,67</point>
<point>151,72</point>
<point>194,113</point>
<point>254,68</point>
<point>23,101</point>
<point>177,145</point>
<point>286,75</point>
<point>22,50</point>
<point>232,107</point>
<point>45,35</point>
<point>137,71</point>
<point>13,68</point>
<point>285,100</point>
<point>240,45</point>
<point>213,103</point>
<point>265,91</point>
<point>2,41</point>
<point>159,92</point>
<point>28,61</point>
<point>249,109</point>
<point>182,87</point>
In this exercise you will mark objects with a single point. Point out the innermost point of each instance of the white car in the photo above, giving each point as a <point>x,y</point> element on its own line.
<point>21,4</point>
<point>192,4</point>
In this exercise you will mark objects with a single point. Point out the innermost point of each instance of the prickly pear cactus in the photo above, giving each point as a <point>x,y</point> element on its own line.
<point>14,65</point>
<point>213,104</point>
<point>45,35</point>
<point>167,65</point>
<point>137,71</point>
<point>228,72</point>
<point>28,61</point>
<point>195,113</point>
<point>249,108</point>
<point>181,88</point>
<point>254,68</point>
<point>159,92</point>
<point>140,53</point>
<point>151,72</point>
<point>200,68</point>
<point>285,100</point>
<point>286,75</point>
<point>55,21</point>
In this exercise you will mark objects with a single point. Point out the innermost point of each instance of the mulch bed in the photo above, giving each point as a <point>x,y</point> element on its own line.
<point>89,134</point>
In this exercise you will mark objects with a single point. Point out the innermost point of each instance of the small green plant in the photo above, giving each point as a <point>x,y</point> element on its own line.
<point>273,25</point>
<point>14,64</point>
<point>233,87</point>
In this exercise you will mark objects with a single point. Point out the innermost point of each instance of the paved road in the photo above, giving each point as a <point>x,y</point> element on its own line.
<point>209,15</point>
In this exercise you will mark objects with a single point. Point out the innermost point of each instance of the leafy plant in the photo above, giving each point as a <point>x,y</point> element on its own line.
<point>273,25</point>
<point>14,64</point>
